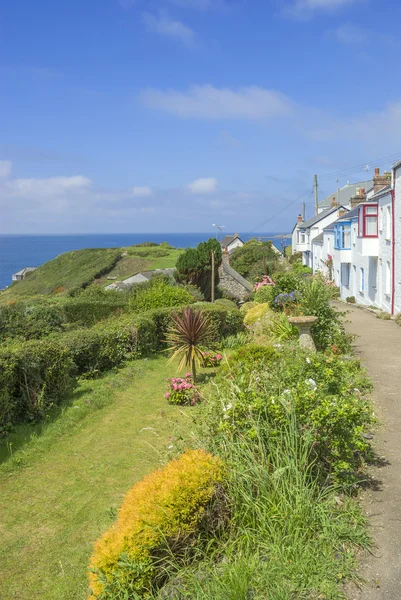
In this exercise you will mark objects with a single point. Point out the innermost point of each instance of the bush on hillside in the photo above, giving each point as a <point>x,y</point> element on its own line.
<point>255,259</point>
<point>170,512</point>
<point>157,293</point>
<point>29,320</point>
<point>224,321</point>
<point>255,313</point>
<point>225,302</point>
<point>34,376</point>
<point>194,266</point>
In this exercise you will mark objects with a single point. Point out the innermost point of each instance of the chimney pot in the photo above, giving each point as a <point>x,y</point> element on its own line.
<point>363,191</point>
<point>358,191</point>
<point>300,219</point>
<point>377,171</point>
<point>333,201</point>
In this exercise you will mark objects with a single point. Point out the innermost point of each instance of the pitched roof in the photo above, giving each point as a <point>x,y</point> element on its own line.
<point>381,192</point>
<point>228,239</point>
<point>235,275</point>
<point>319,217</point>
<point>318,239</point>
<point>344,194</point>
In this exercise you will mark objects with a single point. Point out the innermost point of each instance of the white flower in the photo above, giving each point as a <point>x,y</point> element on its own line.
<point>312,383</point>
<point>308,360</point>
<point>273,401</point>
<point>226,408</point>
<point>277,345</point>
<point>286,392</point>
<point>171,447</point>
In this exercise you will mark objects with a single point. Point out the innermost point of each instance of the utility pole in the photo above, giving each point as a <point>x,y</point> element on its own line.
<point>303,211</point>
<point>213,280</point>
<point>316,187</point>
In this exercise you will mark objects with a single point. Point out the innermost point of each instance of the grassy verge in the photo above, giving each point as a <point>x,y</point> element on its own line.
<point>61,488</point>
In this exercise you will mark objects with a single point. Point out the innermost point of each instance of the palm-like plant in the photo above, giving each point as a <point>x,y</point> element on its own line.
<point>189,335</point>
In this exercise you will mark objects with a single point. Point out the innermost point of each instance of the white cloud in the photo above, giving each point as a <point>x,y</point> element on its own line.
<point>207,185</point>
<point>5,168</point>
<point>163,25</point>
<point>305,8</point>
<point>50,187</point>
<point>141,192</point>
<point>350,34</point>
<point>208,102</point>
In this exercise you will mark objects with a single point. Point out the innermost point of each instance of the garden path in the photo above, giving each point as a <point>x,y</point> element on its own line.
<point>379,346</point>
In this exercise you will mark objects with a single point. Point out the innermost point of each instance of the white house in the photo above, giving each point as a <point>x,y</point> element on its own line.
<point>362,248</point>
<point>306,231</point>
<point>231,242</point>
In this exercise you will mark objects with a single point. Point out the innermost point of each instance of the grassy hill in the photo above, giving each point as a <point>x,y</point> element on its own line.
<point>79,268</point>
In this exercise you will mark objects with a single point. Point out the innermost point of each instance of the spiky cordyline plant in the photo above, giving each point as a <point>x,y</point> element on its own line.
<point>189,334</point>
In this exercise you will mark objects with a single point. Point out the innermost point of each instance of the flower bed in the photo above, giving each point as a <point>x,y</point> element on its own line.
<point>182,391</point>
<point>211,359</point>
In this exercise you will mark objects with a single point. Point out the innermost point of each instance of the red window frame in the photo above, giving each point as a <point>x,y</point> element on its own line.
<point>362,230</point>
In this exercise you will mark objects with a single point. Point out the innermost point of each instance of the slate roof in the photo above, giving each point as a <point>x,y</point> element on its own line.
<point>318,239</point>
<point>319,217</point>
<point>228,239</point>
<point>235,275</point>
<point>344,194</point>
<point>381,192</point>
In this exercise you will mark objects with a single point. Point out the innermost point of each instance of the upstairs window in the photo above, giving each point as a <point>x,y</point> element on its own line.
<point>342,236</point>
<point>367,220</point>
<point>388,223</point>
<point>301,237</point>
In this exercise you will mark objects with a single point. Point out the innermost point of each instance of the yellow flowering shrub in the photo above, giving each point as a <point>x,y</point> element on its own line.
<point>159,514</point>
<point>256,312</point>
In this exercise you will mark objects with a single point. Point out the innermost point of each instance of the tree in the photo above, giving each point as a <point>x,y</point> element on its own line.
<point>255,259</point>
<point>194,266</point>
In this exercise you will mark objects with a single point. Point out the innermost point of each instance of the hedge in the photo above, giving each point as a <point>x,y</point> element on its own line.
<point>87,312</point>
<point>37,374</point>
<point>161,515</point>
<point>33,377</point>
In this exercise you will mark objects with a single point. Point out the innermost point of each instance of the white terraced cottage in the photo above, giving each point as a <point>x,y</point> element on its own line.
<point>361,249</point>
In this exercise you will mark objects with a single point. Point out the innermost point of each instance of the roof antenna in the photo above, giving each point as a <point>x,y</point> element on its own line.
<point>366,169</point>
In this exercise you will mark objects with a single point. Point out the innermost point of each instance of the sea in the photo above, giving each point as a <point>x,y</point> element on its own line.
<point>20,251</point>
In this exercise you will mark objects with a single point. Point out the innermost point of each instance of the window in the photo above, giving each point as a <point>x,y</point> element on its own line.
<point>388,279</point>
<point>388,223</point>
<point>362,281</point>
<point>301,237</point>
<point>381,219</point>
<point>354,235</point>
<point>342,236</point>
<point>346,274</point>
<point>367,220</point>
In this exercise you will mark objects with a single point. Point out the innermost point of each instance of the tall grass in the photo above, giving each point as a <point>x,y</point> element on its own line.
<point>290,537</point>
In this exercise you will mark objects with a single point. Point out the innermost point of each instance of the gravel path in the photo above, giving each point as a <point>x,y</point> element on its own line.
<point>379,346</point>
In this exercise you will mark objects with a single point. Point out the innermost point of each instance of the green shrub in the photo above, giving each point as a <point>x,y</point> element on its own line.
<point>33,376</point>
<point>326,394</point>
<point>232,342</point>
<point>157,293</point>
<point>255,259</point>
<point>266,293</point>
<point>194,266</point>
<point>29,320</point>
<point>350,299</point>
<point>87,312</point>
<point>227,303</point>
<point>194,291</point>
<point>224,321</point>
<point>328,331</point>
<point>167,513</point>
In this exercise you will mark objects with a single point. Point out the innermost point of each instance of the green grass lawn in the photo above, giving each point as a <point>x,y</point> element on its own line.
<point>62,483</point>
<point>136,260</point>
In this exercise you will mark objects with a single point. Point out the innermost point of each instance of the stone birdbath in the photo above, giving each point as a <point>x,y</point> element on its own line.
<point>304,325</point>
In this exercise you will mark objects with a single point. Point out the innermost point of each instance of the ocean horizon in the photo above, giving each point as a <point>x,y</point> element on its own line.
<point>18,250</point>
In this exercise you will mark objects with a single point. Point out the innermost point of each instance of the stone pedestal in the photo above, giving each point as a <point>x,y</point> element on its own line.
<point>304,325</point>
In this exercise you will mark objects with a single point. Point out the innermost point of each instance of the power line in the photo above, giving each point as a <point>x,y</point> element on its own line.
<point>360,167</point>
<point>282,211</point>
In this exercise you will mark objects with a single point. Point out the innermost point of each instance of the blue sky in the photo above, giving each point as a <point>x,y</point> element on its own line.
<point>171,115</point>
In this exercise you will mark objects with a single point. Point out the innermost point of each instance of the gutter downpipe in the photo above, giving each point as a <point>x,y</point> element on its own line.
<point>393,245</point>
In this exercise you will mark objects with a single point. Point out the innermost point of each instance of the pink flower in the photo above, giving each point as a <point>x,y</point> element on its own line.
<point>188,375</point>
<point>167,395</point>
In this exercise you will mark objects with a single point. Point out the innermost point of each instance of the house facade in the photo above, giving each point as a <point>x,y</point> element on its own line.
<point>231,242</point>
<point>361,250</point>
<point>305,232</point>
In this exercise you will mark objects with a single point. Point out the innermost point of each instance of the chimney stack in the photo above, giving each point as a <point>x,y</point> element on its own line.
<point>300,219</point>
<point>226,256</point>
<point>380,181</point>
<point>342,212</point>
<point>359,197</point>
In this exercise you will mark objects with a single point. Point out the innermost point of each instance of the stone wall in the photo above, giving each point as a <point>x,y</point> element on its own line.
<point>230,285</point>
